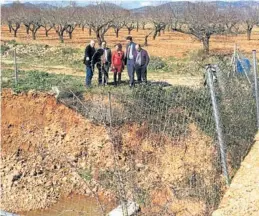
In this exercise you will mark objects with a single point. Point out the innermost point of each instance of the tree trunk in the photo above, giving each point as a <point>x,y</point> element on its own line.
<point>98,37</point>
<point>47,30</point>
<point>155,34</point>
<point>34,35</point>
<point>70,34</point>
<point>10,27</point>
<point>129,31</point>
<point>249,33</point>
<point>17,26</point>
<point>206,44</point>
<point>143,26</point>
<point>145,44</point>
<point>61,37</point>
<point>27,29</point>
<point>90,31</point>
<point>159,33</point>
<point>117,33</point>
<point>102,38</point>
<point>83,27</point>
<point>137,26</point>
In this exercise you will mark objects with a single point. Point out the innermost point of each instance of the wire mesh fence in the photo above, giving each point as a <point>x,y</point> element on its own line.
<point>164,151</point>
<point>175,116</point>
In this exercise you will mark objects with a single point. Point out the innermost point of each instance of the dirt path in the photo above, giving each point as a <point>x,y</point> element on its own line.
<point>57,69</point>
<point>183,80</point>
<point>242,198</point>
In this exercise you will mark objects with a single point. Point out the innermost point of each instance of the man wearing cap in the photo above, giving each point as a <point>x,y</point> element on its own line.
<point>130,59</point>
<point>89,52</point>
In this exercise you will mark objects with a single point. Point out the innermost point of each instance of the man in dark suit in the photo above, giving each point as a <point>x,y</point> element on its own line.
<point>104,64</point>
<point>130,58</point>
<point>89,52</point>
<point>142,61</point>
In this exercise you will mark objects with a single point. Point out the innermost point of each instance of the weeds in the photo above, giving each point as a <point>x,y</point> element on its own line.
<point>86,174</point>
<point>41,81</point>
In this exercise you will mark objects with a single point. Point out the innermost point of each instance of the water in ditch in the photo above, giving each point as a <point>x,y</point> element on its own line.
<point>74,205</point>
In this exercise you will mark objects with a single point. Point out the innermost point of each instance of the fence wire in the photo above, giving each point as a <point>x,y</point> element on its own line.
<point>173,116</point>
<point>165,150</point>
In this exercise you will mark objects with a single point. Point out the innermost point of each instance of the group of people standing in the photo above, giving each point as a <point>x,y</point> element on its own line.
<point>135,58</point>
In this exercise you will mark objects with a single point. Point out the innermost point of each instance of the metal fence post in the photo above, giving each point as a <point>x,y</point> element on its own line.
<point>15,68</point>
<point>256,87</point>
<point>216,113</point>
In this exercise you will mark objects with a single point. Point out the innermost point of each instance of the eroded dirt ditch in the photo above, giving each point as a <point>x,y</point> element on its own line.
<point>50,152</point>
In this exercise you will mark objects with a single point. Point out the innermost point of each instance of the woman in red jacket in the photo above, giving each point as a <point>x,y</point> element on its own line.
<point>117,63</point>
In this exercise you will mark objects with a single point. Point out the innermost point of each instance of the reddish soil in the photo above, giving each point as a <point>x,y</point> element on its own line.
<point>45,145</point>
<point>168,44</point>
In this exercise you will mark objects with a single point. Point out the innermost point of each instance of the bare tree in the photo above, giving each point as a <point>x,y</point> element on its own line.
<point>32,19</point>
<point>130,23</point>
<point>157,16</point>
<point>46,22</point>
<point>100,18</point>
<point>70,28</point>
<point>120,21</point>
<point>62,18</point>
<point>13,16</point>
<point>200,20</point>
<point>230,17</point>
<point>148,32</point>
<point>250,18</point>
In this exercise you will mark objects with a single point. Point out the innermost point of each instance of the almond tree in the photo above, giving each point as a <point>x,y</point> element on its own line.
<point>120,21</point>
<point>157,16</point>
<point>130,22</point>
<point>13,16</point>
<point>81,17</point>
<point>46,22</point>
<point>230,17</point>
<point>32,19</point>
<point>250,18</point>
<point>148,32</point>
<point>100,18</point>
<point>201,20</point>
<point>62,17</point>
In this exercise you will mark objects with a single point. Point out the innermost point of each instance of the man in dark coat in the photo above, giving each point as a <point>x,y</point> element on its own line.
<point>130,58</point>
<point>103,62</point>
<point>142,61</point>
<point>89,52</point>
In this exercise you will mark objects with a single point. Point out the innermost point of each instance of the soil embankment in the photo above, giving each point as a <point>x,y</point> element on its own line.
<point>46,145</point>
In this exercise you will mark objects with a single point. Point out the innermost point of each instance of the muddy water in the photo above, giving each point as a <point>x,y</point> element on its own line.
<point>74,205</point>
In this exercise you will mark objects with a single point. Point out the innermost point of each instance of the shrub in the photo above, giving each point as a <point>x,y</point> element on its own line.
<point>67,51</point>
<point>156,63</point>
<point>4,48</point>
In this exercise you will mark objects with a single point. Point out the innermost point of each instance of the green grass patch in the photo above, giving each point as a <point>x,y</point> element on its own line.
<point>40,81</point>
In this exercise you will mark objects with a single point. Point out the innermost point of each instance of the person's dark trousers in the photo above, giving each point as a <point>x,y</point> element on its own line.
<point>131,71</point>
<point>141,72</point>
<point>138,73</point>
<point>89,76</point>
<point>115,78</point>
<point>103,73</point>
